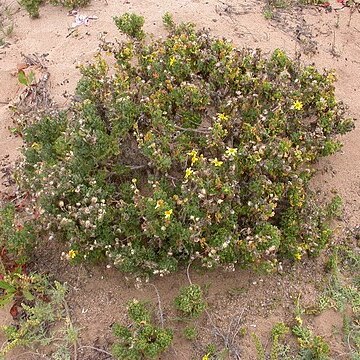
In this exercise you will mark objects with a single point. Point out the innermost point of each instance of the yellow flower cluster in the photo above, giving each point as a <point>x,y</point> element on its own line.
<point>188,173</point>
<point>194,156</point>
<point>223,117</point>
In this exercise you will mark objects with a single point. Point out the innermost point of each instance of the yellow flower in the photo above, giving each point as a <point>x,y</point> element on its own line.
<point>36,146</point>
<point>331,77</point>
<point>230,152</point>
<point>205,357</point>
<point>297,256</point>
<point>168,213</point>
<point>188,173</point>
<point>217,162</point>
<point>148,136</point>
<point>298,320</point>
<point>223,117</point>
<point>72,253</point>
<point>127,52</point>
<point>202,242</point>
<point>194,157</point>
<point>172,61</point>
<point>159,204</point>
<point>297,105</point>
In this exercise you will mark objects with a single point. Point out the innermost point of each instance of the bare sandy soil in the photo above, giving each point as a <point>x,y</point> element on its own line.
<point>98,296</point>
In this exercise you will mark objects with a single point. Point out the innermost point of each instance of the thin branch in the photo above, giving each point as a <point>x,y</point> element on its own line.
<point>191,130</point>
<point>37,354</point>
<point>188,272</point>
<point>237,326</point>
<point>136,167</point>
<point>161,314</point>
<point>230,336</point>
<point>96,349</point>
<point>67,310</point>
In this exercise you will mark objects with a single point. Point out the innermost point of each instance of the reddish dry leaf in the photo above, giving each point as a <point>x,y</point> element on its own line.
<point>21,66</point>
<point>14,311</point>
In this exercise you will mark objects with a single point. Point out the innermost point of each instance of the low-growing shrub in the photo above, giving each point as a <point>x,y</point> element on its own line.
<point>71,4</point>
<point>131,24</point>
<point>16,238</point>
<point>187,148</point>
<point>33,6</point>
<point>191,333</point>
<point>37,305</point>
<point>190,301</point>
<point>6,22</point>
<point>311,347</point>
<point>142,340</point>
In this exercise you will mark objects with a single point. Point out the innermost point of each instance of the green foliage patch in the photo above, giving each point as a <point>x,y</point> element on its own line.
<point>6,22</point>
<point>142,340</point>
<point>186,148</point>
<point>33,6</point>
<point>38,305</point>
<point>190,301</point>
<point>16,237</point>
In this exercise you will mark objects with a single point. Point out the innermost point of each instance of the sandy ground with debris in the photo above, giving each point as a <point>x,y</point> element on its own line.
<point>97,296</point>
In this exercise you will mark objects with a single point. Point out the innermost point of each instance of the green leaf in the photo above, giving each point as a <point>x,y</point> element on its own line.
<point>6,286</point>
<point>31,78</point>
<point>28,295</point>
<point>4,300</point>
<point>23,78</point>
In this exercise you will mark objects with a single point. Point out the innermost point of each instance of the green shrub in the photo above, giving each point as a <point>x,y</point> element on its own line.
<point>16,237</point>
<point>311,347</point>
<point>187,148</point>
<point>131,25</point>
<point>37,306</point>
<point>72,4</point>
<point>33,6</point>
<point>260,351</point>
<point>278,349</point>
<point>191,333</point>
<point>142,340</point>
<point>190,301</point>
<point>6,22</point>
